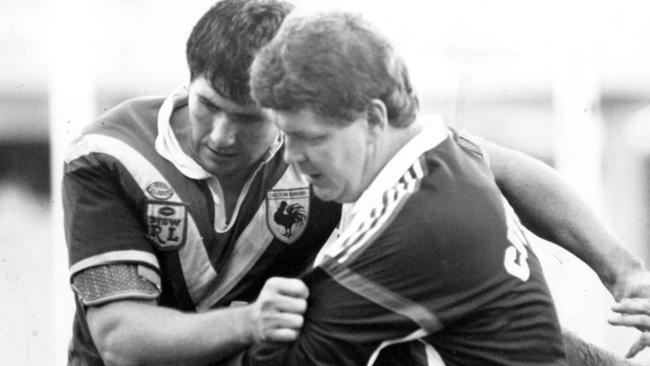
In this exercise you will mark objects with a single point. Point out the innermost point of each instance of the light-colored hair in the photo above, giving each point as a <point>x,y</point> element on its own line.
<point>334,63</point>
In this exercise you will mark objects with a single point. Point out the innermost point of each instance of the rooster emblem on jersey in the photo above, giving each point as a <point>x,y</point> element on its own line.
<point>287,212</point>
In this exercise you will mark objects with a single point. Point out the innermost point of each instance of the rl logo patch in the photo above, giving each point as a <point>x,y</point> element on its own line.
<point>287,211</point>
<point>160,190</point>
<point>167,224</point>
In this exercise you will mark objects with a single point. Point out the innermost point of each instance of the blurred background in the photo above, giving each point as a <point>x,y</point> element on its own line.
<point>567,82</point>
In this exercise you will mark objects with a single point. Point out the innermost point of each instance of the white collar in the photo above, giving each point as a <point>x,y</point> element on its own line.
<point>167,144</point>
<point>168,147</point>
<point>354,215</point>
<point>433,133</point>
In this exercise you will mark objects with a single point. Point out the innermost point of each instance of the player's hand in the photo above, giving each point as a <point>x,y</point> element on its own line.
<point>634,312</point>
<point>634,284</point>
<point>277,314</point>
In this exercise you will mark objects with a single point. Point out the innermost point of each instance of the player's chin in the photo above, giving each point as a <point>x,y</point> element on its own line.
<point>326,193</point>
<point>219,165</point>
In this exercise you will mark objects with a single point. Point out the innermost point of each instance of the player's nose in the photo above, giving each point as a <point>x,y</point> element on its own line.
<point>224,131</point>
<point>293,151</point>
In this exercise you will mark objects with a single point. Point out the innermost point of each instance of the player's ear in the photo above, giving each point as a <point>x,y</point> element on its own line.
<point>377,116</point>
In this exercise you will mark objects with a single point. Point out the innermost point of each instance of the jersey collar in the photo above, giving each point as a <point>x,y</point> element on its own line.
<point>433,133</point>
<point>355,215</point>
<point>167,144</point>
<point>168,147</point>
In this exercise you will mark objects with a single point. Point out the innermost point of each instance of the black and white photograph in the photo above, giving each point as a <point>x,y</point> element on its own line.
<point>343,182</point>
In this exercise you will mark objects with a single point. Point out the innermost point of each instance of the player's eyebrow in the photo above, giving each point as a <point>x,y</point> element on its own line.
<point>304,135</point>
<point>206,100</point>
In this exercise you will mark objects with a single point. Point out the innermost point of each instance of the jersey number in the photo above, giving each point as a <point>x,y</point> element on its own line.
<point>516,254</point>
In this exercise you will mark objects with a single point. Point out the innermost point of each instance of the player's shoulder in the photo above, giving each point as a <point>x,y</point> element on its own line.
<point>133,121</point>
<point>136,111</point>
<point>132,124</point>
<point>456,192</point>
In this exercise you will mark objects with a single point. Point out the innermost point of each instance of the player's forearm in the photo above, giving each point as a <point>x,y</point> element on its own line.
<point>581,353</point>
<point>129,333</point>
<point>551,209</point>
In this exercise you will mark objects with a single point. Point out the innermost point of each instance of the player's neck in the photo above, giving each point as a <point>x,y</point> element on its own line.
<point>181,127</point>
<point>392,140</point>
<point>232,186</point>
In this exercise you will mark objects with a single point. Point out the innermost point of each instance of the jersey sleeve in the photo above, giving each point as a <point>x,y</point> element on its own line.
<point>103,226</point>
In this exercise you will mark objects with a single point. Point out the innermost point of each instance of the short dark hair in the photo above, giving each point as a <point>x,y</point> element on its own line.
<point>224,41</point>
<point>334,63</point>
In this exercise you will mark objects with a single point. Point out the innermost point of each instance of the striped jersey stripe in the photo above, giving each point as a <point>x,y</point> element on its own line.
<point>197,269</point>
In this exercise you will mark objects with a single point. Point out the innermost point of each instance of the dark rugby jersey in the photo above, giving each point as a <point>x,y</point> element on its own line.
<point>431,268</point>
<point>125,203</point>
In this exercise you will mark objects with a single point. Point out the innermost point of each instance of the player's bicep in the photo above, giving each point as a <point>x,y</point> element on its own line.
<point>111,324</point>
